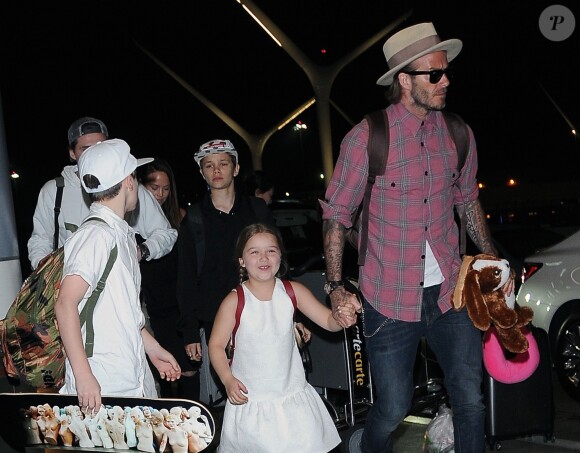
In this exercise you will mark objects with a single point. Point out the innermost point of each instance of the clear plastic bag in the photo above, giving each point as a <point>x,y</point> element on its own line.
<point>439,434</point>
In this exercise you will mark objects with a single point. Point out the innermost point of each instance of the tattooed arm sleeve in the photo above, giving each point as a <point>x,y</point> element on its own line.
<point>333,237</point>
<point>478,229</point>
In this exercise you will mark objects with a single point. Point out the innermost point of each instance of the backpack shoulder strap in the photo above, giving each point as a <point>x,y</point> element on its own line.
<point>460,136</point>
<point>195,222</point>
<point>239,309</point>
<point>290,291</point>
<point>378,144</point>
<point>242,303</point>
<point>86,314</point>
<point>378,153</point>
<point>57,204</point>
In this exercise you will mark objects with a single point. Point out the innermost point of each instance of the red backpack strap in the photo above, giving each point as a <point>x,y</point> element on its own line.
<point>290,291</point>
<point>239,309</point>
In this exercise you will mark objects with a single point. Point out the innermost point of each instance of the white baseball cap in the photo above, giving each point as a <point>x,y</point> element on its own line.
<point>215,147</point>
<point>109,162</point>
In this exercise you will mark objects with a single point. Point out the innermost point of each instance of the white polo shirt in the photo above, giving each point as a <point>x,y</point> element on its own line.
<point>118,362</point>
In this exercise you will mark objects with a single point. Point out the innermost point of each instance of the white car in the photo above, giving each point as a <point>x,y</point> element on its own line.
<point>551,287</point>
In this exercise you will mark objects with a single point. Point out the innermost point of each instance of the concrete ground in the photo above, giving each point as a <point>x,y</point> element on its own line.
<point>409,436</point>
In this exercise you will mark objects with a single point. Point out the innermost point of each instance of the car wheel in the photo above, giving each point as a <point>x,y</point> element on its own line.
<point>567,360</point>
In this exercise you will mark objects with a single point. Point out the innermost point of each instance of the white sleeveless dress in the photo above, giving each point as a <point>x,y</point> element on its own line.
<point>284,414</point>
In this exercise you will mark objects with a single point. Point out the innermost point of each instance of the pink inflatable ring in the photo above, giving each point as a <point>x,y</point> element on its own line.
<point>514,370</point>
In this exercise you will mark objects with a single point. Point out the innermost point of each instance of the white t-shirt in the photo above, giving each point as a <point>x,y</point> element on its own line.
<point>433,274</point>
<point>118,362</point>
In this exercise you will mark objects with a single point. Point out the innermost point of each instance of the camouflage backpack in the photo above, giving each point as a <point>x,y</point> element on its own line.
<point>31,344</point>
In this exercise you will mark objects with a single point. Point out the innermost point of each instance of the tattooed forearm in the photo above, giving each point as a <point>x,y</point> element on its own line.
<point>478,229</point>
<point>333,237</point>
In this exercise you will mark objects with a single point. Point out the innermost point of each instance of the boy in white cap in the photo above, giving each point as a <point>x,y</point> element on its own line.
<point>118,365</point>
<point>148,219</point>
<point>412,260</point>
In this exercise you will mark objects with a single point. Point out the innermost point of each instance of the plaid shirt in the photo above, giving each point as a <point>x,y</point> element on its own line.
<point>413,202</point>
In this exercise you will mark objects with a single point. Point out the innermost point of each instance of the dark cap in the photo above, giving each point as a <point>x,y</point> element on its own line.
<point>84,126</point>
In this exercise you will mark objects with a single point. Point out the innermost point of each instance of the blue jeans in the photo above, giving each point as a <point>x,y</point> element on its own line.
<point>391,352</point>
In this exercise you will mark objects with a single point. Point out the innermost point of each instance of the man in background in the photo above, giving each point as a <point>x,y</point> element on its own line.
<point>147,219</point>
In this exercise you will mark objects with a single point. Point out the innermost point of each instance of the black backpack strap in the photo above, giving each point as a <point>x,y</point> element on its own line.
<point>57,203</point>
<point>86,314</point>
<point>195,223</point>
<point>460,136</point>
<point>378,152</point>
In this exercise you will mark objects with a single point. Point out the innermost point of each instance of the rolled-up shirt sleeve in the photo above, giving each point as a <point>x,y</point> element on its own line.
<point>346,188</point>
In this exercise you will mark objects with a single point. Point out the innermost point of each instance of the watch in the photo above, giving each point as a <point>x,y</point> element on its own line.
<point>144,251</point>
<point>329,287</point>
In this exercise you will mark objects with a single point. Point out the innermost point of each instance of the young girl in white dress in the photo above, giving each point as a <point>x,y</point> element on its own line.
<point>271,407</point>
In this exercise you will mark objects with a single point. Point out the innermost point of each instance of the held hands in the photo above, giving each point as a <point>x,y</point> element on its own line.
<point>345,306</point>
<point>236,391</point>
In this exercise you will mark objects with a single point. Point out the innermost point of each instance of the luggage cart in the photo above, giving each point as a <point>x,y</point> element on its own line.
<point>340,371</point>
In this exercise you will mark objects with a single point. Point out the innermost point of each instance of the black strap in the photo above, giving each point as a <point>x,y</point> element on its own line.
<point>460,136</point>
<point>378,153</point>
<point>86,315</point>
<point>57,203</point>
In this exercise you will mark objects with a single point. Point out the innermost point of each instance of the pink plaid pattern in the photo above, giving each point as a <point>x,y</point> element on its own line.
<point>411,203</point>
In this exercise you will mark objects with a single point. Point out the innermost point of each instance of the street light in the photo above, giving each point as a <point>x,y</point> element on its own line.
<point>299,126</point>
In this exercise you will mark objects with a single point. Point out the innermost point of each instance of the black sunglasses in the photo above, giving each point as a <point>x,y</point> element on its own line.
<point>435,75</point>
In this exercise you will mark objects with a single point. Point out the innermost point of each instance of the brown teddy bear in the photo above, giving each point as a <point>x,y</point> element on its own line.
<point>481,278</point>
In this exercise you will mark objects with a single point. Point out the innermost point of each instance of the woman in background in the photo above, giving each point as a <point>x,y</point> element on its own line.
<point>158,286</point>
<point>259,184</point>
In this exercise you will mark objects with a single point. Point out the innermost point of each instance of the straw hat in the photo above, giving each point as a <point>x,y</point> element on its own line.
<point>411,43</point>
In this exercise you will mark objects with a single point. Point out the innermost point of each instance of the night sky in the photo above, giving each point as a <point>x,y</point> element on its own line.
<point>63,60</point>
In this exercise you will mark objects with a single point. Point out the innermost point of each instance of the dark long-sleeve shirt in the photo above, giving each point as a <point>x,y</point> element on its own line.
<point>200,292</point>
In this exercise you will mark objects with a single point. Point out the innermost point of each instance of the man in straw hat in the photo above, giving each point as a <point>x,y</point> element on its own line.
<point>412,260</point>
